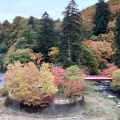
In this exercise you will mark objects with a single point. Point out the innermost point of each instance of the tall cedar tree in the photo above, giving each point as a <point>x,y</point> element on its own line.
<point>101,18</point>
<point>46,36</point>
<point>31,21</point>
<point>72,29</point>
<point>117,41</point>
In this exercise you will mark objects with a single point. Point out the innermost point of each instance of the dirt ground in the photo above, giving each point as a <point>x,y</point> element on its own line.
<point>96,108</point>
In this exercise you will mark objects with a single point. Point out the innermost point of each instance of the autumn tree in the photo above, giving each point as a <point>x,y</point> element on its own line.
<point>59,74</point>
<point>54,53</point>
<point>101,17</point>
<point>73,89</point>
<point>36,58</point>
<point>46,80</point>
<point>72,29</point>
<point>30,86</point>
<point>111,68</point>
<point>101,49</point>
<point>20,85</point>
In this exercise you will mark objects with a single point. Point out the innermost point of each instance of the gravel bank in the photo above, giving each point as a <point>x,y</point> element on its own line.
<point>96,108</point>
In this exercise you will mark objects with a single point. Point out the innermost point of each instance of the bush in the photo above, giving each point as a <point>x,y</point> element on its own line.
<point>74,73</point>
<point>96,38</point>
<point>7,102</point>
<point>3,92</point>
<point>115,84</point>
<point>72,89</point>
<point>68,64</point>
<point>59,74</point>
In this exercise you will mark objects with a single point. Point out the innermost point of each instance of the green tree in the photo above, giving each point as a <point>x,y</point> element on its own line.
<point>46,35</point>
<point>117,41</point>
<point>115,84</point>
<point>101,18</point>
<point>22,55</point>
<point>72,28</point>
<point>31,21</point>
<point>5,24</point>
<point>89,60</point>
<point>27,38</point>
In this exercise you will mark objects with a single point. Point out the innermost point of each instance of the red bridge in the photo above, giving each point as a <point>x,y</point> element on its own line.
<point>98,78</point>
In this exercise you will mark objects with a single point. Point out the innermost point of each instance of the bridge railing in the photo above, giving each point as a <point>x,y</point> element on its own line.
<point>98,76</point>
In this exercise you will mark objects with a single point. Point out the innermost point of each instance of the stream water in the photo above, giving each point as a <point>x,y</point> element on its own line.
<point>104,89</point>
<point>2,77</point>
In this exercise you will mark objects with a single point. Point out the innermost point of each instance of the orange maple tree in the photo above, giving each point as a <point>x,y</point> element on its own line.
<point>101,49</point>
<point>30,86</point>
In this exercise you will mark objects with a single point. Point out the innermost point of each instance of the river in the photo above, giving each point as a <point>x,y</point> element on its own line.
<point>104,89</point>
<point>2,77</point>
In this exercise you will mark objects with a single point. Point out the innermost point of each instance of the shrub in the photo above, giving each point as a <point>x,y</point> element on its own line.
<point>47,99</point>
<point>115,84</point>
<point>72,89</point>
<point>3,92</point>
<point>68,64</point>
<point>109,70</point>
<point>96,38</point>
<point>59,74</point>
<point>7,102</point>
<point>74,73</point>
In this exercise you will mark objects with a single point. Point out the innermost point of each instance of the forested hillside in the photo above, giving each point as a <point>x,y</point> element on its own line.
<point>72,41</point>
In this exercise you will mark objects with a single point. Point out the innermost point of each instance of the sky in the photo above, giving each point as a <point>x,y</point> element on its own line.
<point>9,9</point>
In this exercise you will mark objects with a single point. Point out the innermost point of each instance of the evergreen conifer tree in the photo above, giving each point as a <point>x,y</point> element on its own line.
<point>72,29</point>
<point>117,41</point>
<point>31,21</point>
<point>101,18</point>
<point>46,35</point>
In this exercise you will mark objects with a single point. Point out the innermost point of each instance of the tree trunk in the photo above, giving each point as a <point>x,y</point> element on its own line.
<point>69,50</point>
